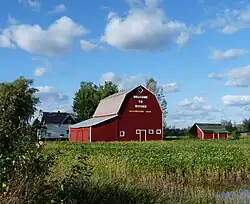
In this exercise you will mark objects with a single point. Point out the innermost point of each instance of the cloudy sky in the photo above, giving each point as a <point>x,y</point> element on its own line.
<point>198,51</point>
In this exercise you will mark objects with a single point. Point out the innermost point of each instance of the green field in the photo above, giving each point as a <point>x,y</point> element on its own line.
<point>185,171</point>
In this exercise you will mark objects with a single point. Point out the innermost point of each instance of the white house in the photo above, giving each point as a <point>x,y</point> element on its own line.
<point>55,125</point>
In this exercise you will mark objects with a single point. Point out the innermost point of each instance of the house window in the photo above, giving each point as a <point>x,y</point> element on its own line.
<point>67,131</point>
<point>158,131</point>
<point>138,131</point>
<point>61,135</point>
<point>122,133</point>
<point>151,131</point>
<point>69,121</point>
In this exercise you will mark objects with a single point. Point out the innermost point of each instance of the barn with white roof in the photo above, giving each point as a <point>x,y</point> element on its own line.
<point>133,115</point>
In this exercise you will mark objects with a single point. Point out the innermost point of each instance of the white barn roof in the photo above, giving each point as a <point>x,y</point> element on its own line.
<point>110,105</point>
<point>91,122</point>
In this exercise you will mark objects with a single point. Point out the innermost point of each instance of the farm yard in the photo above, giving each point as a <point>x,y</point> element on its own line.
<point>185,171</point>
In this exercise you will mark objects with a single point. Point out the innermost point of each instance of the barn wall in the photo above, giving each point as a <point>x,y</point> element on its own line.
<point>209,136</point>
<point>199,133</point>
<point>133,117</point>
<point>105,132</point>
<point>223,136</point>
<point>79,134</point>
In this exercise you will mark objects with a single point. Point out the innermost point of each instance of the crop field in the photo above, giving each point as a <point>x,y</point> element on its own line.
<point>190,171</point>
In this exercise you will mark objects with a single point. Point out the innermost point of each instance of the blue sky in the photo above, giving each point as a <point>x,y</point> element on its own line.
<point>198,52</point>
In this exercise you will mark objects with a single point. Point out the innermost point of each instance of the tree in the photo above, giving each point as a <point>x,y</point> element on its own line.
<point>246,125</point>
<point>88,97</point>
<point>17,106</point>
<point>108,89</point>
<point>152,85</point>
<point>229,125</point>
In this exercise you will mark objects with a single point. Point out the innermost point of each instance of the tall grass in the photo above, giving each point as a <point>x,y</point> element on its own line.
<point>175,170</point>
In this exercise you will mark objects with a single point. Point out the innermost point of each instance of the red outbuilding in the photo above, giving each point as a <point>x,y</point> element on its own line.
<point>209,131</point>
<point>133,115</point>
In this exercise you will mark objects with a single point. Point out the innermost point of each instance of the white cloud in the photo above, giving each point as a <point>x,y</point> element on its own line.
<point>48,93</point>
<point>227,54</point>
<point>52,100</point>
<point>35,5</point>
<point>234,100</point>
<point>40,71</point>
<point>170,88</point>
<point>239,77</point>
<point>12,20</point>
<point>5,41</point>
<point>58,9</point>
<point>230,21</point>
<point>55,40</point>
<point>216,76</point>
<point>192,102</point>
<point>146,28</point>
<point>89,46</point>
<point>124,82</point>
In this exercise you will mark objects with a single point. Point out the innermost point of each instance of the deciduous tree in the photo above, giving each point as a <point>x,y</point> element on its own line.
<point>152,85</point>
<point>88,97</point>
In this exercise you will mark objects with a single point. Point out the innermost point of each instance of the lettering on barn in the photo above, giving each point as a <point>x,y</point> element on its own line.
<point>133,115</point>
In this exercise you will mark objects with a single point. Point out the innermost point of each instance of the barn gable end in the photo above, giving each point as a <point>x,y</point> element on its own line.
<point>111,105</point>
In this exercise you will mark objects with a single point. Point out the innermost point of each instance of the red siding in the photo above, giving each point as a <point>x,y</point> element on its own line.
<point>149,118</point>
<point>105,132</point>
<point>223,135</point>
<point>79,134</point>
<point>199,133</point>
<point>131,121</point>
<point>208,136</point>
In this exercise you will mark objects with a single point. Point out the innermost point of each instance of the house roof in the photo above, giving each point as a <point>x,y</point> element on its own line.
<point>112,104</point>
<point>55,117</point>
<point>91,122</point>
<point>211,128</point>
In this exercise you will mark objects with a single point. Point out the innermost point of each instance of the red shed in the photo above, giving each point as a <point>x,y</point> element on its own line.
<point>209,131</point>
<point>133,115</point>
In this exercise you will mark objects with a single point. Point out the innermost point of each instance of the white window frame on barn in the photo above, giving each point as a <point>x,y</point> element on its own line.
<point>122,133</point>
<point>138,131</point>
<point>151,131</point>
<point>158,131</point>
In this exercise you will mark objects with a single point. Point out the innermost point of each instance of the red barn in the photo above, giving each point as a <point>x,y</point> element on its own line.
<point>133,115</point>
<point>209,131</point>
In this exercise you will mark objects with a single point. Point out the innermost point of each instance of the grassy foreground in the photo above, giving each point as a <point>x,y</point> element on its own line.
<point>187,171</point>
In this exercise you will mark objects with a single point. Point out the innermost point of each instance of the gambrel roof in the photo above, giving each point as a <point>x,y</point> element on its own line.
<point>112,104</point>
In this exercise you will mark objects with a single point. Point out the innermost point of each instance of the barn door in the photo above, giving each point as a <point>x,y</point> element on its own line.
<point>142,135</point>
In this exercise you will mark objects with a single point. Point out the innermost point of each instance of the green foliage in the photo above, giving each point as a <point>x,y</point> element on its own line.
<point>152,85</point>
<point>246,125</point>
<point>88,97</point>
<point>161,172</point>
<point>230,127</point>
<point>17,106</point>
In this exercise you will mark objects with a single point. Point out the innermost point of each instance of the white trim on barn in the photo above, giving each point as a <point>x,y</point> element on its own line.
<point>201,131</point>
<point>90,134</point>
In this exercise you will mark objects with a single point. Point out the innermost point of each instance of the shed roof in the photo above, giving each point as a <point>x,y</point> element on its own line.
<point>91,122</point>
<point>56,117</point>
<point>211,128</point>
